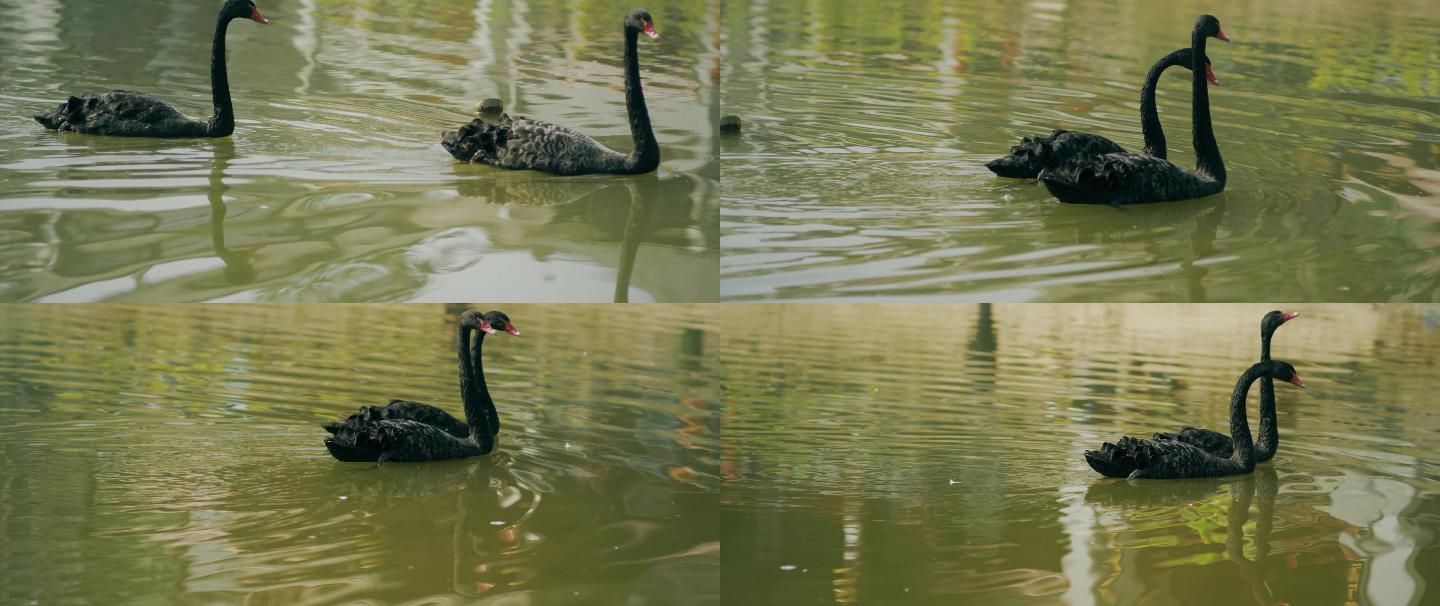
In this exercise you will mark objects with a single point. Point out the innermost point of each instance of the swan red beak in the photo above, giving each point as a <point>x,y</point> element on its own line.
<point>485,326</point>
<point>257,17</point>
<point>1221,35</point>
<point>1210,75</point>
<point>649,29</point>
<point>1298,383</point>
<point>1289,315</point>
<point>512,330</point>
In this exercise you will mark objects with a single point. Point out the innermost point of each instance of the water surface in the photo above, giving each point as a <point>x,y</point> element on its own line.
<point>892,454</point>
<point>860,173</point>
<point>334,186</point>
<point>173,454</point>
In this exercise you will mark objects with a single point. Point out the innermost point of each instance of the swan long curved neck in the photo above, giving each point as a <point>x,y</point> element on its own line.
<point>222,123</point>
<point>1149,115</point>
<point>646,154</point>
<point>1202,134</point>
<point>1244,449</point>
<point>472,388</point>
<point>1269,437</point>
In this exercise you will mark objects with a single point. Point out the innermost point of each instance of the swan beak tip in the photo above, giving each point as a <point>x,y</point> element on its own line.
<point>257,17</point>
<point>512,331</point>
<point>1291,315</point>
<point>1298,382</point>
<point>1222,36</point>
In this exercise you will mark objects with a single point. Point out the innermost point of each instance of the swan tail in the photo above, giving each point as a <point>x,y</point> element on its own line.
<point>1103,462</point>
<point>1036,154</point>
<point>58,116</point>
<point>1025,159</point>
<point>349,453</point>
<point>1013,167</point>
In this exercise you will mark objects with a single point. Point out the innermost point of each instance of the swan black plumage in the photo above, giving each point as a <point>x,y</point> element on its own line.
<point>1034,154</point>
<point>1219,444</point>
<point>525,144</point>
<point>1123,178</point>
<point>132,114</point>
<point>412,431</point>
<point>1168,459</point>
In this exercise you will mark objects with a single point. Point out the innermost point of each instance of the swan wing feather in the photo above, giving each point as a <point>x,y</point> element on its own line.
<point>525,144</point>
<point>122,113</point>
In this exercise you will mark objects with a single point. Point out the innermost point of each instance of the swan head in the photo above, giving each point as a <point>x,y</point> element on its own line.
<point>1209,27</point>
<point>639,20</point>
<point>1182,57</point>
<point>497,321</point>
<point>1274,319</point>
<point>1282,371</point>
<point>243,9</point>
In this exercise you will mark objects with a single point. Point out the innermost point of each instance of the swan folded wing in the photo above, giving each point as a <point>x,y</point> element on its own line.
<point>1210,441</point>
<point>121,113</point>
<point>402,410</point>
<point>1125,179</point>
<point>404,440</point>
<point>1133,457</point>
<point>524,144</point>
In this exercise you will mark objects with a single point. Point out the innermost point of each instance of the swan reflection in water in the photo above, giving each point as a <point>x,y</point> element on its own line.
<point>596,205</point>
<point>238,267</point>
<point>1145,511</point>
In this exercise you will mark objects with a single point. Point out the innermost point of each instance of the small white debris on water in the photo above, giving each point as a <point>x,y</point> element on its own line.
<point>343,498</point>
<point>567,445</point>
<point>787,567</point>
<point>953,482</point>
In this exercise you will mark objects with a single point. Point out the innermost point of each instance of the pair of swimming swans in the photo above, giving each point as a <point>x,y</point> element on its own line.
<point>1082,168</point>
<point>515,144</point>
<point>1200,453</point>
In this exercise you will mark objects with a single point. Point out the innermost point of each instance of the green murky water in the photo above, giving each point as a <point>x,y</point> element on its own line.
<point>933,455</point>
<point>334,186</point>
<point>173,454</point>
<point>860,171</point>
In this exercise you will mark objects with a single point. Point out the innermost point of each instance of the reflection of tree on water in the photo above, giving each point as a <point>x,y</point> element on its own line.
<point>238,269</point>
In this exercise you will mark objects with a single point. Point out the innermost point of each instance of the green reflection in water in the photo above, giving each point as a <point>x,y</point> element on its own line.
<point>335,184</point>
<point>860,172</point>
<point>932,454</point>
<point>164,454</point>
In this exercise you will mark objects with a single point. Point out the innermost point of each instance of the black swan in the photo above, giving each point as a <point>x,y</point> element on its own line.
<point>1219,444</point>
<point>1034,154</point>
<point>411,431</point>
<point>1121,178</point>
<point>132,114</point>
<point>525,144</point>
<point>1168,459</point>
